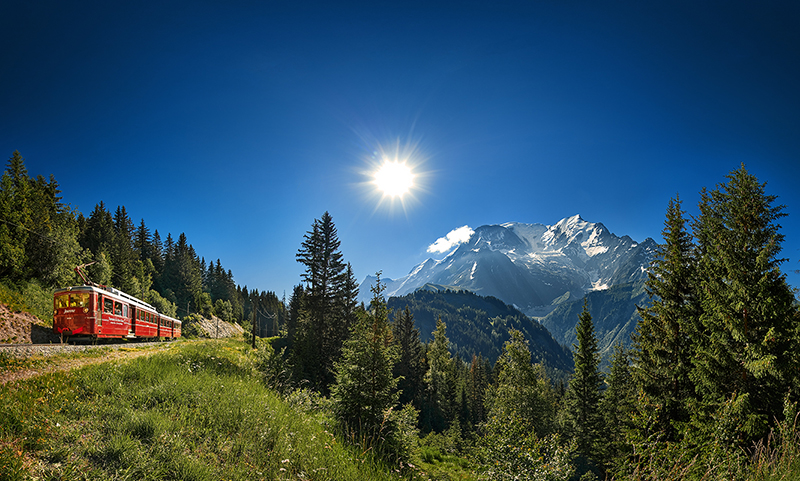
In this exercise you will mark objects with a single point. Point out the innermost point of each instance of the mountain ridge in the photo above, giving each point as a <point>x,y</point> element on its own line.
<point>532,267</point>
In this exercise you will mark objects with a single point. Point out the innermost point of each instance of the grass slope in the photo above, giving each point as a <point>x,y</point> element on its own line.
<point>194,412</point>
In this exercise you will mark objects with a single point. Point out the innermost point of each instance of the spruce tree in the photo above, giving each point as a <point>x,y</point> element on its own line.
<point>617,406</point>
<point>52,250</point>
<point>663,350</point>
<point>523,394</point>
<point>365,388</point>
<point>583,394</point>
<point>439,409</point>
<point>744,363</point>
<point>158,253</point>
<point>141,242</point>
<point>478,380</point>
<point>410,367</point>
<point>329,300</point>
<point>16,215</point>
<point>122,253</point>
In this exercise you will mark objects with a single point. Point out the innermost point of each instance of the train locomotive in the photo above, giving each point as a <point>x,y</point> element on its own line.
<point>94,311</point>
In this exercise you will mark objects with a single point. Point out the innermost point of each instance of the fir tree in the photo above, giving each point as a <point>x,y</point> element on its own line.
<point>365,388</point>
<point>744,362</point>
<point>16,217</point>
<point>295,308</point>
<point>523,394</point>
<point>662,341</point>
<point>617,406</point>
<point>583,394</point>
<point>410,367</point>
<point>141,242</point>
<point>478,380</point>
<point>439,409</point>
<point>52,251</point>
<point>328,302</point>
<point>157,253</point>
<point>122,253</point>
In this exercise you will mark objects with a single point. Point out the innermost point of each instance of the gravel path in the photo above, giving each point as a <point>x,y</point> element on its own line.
<point>112,353</point>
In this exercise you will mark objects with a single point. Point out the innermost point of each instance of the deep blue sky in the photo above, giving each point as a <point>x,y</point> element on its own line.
<point>240,122</point>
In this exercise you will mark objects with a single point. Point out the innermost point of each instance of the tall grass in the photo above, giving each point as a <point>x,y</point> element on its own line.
<point>775,458</point>
<point>194,413</point>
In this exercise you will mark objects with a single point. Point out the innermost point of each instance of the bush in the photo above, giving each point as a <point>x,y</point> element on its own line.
<point>273,367</point>
<point>402,434</point>
<point>191,327</point>
<point>30,297</point>
<point>510,451</point>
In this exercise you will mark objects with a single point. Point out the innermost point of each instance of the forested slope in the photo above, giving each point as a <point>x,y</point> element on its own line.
<point>43,239</point>
<point>480,325</point>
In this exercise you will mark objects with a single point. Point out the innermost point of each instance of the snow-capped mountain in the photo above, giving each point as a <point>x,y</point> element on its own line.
<point>533,266</point>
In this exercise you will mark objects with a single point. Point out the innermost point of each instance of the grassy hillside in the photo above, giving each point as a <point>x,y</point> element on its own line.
<point>194,412</point>
<point>198,411</point>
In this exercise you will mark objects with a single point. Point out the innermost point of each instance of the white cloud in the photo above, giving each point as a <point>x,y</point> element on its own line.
<point>452,239</point>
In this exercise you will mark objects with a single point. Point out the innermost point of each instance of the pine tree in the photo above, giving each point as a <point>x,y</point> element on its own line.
<point>52,250</point>
<point>157,254</point>
<point>744,362</point>
<point>141,242</point>
<point>617,406</point>
<point>439,409</point>
<point>583,394</point>
<point>662,341</point>
<point>122,253</point>
<point>295,312</point>
<point>182,279</point>
<point>328,297</point>
<point>16,217</point>
<point>523,394</point>
<point>365,388</point>
<point>410,367</point>
<point>479,378</point>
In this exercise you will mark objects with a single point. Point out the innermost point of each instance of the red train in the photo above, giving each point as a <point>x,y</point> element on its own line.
<point>104,312</point>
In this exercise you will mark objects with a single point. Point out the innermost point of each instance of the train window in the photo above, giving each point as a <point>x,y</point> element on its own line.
<point>62,301</point>
<point>124,310</point>
<point>108,305</point>
<point>80,299</point>
<point>118,308</point>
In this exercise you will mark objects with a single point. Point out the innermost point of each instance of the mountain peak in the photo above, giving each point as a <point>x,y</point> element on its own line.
<point>531,265</point>
<point>575,219</point>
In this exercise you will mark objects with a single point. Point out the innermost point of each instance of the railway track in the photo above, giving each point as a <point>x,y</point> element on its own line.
<point>28,350</point>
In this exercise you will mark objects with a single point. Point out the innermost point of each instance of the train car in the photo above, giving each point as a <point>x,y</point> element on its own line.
<point>104,312</point>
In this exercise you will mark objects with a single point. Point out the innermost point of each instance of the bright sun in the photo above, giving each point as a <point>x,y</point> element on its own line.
<point>394,178</point>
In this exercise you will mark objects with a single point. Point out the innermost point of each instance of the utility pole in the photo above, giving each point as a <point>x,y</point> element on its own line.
<point>255,320</point>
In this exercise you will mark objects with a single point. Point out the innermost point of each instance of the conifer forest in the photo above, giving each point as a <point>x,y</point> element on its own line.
<point>707,388</point>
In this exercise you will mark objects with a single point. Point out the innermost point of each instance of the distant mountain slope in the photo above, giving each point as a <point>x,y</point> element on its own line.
<point>479,325</point>
<point>533,266</point>
<point>613,313</point>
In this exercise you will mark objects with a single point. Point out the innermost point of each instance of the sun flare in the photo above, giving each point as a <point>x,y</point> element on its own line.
<point>394,179</point>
